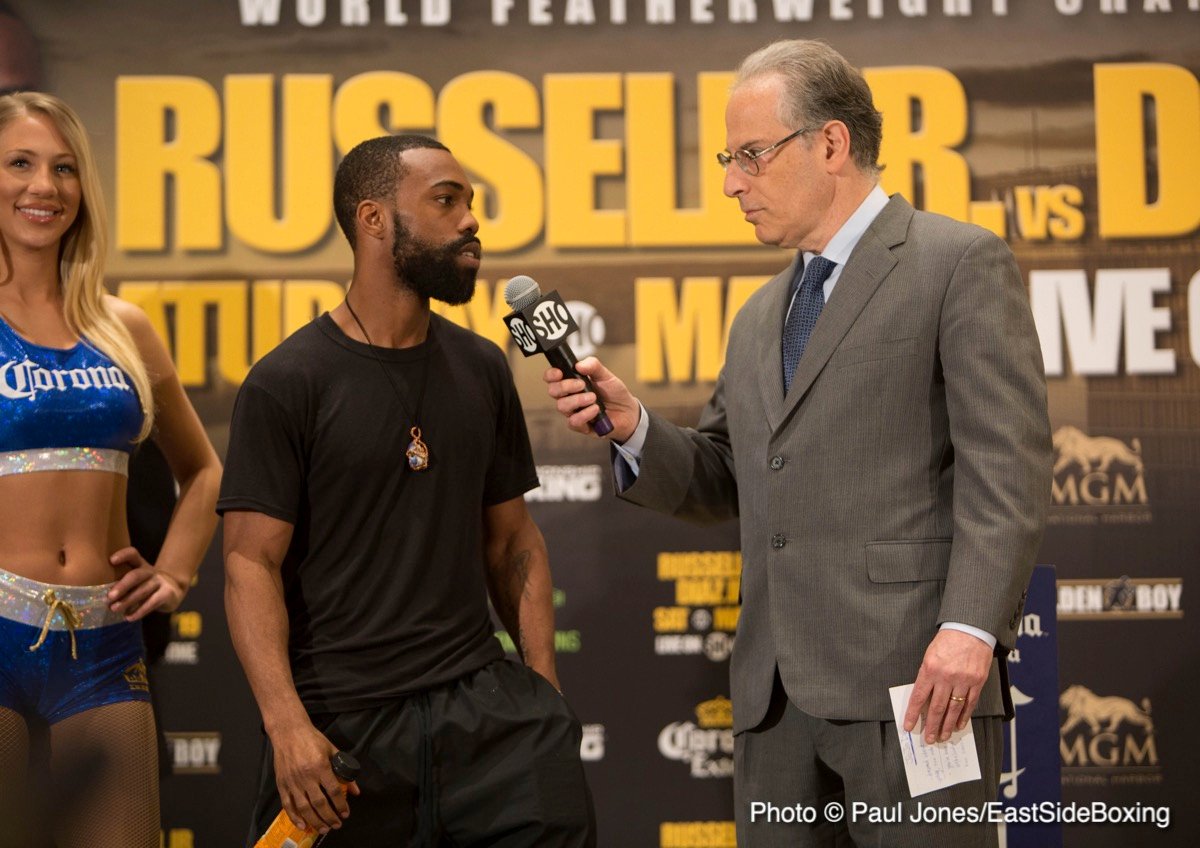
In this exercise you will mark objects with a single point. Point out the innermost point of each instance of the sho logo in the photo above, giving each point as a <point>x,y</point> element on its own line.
<point>523,335</point>
<point>1107,740</point>
<point>592,329</point>
<point>706,744</point>
<point>718,646</point>
<point>1125,597</point>
<point>1097,479</point>
<point>551,320</point>
<point>591,749</point>
<point>194,753</point>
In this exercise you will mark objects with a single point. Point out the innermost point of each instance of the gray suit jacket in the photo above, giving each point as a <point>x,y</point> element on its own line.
<point>902,482</point>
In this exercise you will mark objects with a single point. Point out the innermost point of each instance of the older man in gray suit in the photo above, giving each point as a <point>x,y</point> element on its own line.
<point>880,426</point>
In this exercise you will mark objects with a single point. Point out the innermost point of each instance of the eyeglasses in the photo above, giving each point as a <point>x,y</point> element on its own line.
<point>747,160</point>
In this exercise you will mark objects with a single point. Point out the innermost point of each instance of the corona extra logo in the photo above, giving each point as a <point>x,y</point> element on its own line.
<point>715,713</point>
<point>1097,480</point>
<point>707,747</point>
<point>1107,740</point>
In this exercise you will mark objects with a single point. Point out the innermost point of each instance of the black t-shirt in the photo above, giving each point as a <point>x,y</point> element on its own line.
<point>384,579</point>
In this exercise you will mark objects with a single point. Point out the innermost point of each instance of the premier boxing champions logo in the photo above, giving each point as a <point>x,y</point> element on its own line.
<point>23,380</point>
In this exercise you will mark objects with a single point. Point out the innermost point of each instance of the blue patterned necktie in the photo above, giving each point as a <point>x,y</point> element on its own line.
<point>806,308</point>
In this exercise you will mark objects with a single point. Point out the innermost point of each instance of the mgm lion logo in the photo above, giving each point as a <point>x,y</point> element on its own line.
<point>1074,447</point>
<point>1085,706</point>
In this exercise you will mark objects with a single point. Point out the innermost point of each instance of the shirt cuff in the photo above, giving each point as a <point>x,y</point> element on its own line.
<point>628,456</point>
<point>982,635</point>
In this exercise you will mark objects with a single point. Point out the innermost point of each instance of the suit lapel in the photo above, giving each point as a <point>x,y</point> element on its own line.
<point>770,341</point>
<point>871,262</point>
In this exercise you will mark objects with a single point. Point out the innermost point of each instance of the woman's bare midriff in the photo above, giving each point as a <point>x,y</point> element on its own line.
<point>62,526</point>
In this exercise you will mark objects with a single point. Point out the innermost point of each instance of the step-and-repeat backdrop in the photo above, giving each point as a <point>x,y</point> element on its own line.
<point>1070,127</point>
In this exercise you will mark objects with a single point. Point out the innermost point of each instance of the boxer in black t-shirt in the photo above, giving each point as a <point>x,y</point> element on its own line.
<point>373,500</point>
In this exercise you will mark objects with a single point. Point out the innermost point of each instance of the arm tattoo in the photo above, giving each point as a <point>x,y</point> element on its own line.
<point>513,586</point>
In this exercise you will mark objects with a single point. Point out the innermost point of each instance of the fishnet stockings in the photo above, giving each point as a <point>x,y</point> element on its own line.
<point>105,764</point>
<point>15,797</point>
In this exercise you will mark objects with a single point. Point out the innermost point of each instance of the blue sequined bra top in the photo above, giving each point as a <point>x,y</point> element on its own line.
<point>63,410</point>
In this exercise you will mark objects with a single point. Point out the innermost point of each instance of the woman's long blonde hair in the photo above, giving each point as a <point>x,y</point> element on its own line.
<point>83,250</point>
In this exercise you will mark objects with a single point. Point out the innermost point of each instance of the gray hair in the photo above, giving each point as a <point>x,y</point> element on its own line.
<point>819,85</point>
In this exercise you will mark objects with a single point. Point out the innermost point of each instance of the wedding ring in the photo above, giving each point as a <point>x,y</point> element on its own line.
<point>957,698</point>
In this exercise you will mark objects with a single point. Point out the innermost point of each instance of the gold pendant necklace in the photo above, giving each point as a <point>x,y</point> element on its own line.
<point>418,452</point>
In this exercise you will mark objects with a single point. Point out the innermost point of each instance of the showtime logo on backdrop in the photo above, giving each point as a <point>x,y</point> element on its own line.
<point>1107,740</point>
<point>706,745</point>
<point>1097,480</point>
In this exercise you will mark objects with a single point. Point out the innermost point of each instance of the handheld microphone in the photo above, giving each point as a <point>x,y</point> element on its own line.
<point>540,324</point>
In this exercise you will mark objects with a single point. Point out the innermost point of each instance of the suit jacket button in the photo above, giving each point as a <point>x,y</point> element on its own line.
<point>776,463</point>
<point>778,540</point>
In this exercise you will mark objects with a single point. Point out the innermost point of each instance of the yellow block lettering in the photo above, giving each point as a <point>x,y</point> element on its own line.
<point>921,162</point>
<point>1130,205</point>
<point>653,170</point>
<point>509,199</point>
<point>576,160</point>
<point>380,103</point>
<point>147,159</point>
<point>304,186</point>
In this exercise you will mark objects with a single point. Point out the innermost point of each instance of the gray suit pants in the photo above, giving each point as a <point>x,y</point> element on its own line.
<point>794,772</point>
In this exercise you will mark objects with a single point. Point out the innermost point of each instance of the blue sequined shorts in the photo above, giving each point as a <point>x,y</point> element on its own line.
<point>63,651</point>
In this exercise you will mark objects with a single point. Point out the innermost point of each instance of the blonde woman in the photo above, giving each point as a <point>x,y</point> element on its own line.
<point>83,379</point>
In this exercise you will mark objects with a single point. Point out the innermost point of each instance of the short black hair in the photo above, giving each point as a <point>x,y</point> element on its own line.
<point>371,171</point>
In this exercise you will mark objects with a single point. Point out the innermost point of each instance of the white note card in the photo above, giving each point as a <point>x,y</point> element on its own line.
<point>936,766</point>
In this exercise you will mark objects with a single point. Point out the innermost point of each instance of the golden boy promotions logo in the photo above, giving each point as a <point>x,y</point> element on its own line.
<point>1097,480</point>
<point>1123,597</point>
<point>194,753</point>
<point>707,744</point>
<point>1107,740</point>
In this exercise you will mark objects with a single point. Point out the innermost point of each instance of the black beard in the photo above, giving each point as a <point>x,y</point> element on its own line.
<point>431,271</point>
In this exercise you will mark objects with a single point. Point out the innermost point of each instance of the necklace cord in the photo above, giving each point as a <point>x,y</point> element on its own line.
<point>418,451</point>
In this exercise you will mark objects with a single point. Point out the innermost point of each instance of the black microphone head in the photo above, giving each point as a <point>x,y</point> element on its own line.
<point>521,292</point>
